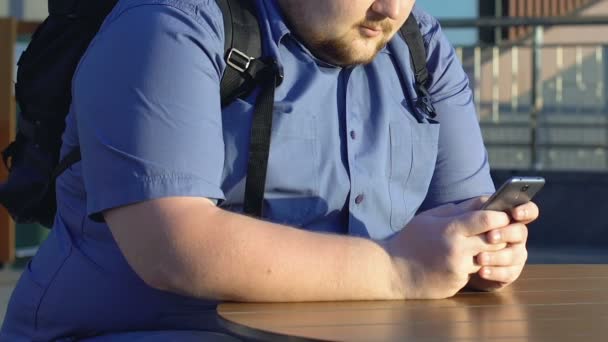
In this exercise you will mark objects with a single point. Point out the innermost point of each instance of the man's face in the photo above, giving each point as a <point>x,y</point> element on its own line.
<point>346,32</point>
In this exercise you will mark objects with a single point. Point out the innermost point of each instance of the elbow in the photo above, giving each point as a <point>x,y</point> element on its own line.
<point>155,276</point>
<point>176,275</point>
<point>166,245</point>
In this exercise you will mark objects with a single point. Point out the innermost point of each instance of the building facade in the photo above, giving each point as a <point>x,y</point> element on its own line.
<point>28,10</point>
<point>526,8</point>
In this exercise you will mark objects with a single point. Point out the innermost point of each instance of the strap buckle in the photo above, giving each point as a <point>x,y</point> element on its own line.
<point>425,103</point>
<point>238,60</point>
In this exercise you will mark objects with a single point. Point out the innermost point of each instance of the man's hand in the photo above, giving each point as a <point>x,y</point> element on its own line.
<point>501,268</point>
<point>435,253</point>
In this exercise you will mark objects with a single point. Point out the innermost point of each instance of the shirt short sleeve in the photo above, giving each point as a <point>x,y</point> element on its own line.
<point>462,170</point>
<point>147,104</point>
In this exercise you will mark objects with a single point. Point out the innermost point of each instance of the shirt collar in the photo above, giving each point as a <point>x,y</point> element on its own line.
<point>278,27</point>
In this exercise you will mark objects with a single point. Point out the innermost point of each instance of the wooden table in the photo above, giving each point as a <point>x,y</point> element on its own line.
<point>548,303</point>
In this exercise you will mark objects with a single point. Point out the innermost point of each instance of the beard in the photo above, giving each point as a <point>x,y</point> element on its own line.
<point>343,50</point>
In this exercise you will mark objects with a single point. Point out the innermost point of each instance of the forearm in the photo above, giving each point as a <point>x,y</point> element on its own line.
<point>212,253</point>
<point>259,261</point>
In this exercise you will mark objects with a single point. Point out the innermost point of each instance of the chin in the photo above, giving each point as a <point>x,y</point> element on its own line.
<point>348,53</point>
<point>364,60</point>
<point>368,51</point>
<point>365,57</point>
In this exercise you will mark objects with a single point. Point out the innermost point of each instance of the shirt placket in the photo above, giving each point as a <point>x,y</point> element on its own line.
<point>354,139</point>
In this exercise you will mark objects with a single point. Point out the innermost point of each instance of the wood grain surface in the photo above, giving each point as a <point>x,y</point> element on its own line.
<point>548,303</point>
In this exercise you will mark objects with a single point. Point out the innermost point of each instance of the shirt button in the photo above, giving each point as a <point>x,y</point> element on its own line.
<point>359,199</point>
<point>353,135</point>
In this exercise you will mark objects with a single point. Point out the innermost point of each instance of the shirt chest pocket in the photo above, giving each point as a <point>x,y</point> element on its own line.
<point>413,154</point>
<point>291,189</point>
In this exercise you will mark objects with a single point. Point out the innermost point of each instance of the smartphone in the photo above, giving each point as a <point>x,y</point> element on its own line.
<point>514,192</point>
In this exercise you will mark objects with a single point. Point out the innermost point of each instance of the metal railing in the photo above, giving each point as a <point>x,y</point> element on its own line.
<point>541,105</point>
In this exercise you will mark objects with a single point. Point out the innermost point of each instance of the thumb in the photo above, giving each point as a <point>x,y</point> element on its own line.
<point>452,209</point>
<point>472,204</point>
<point>445,210</point>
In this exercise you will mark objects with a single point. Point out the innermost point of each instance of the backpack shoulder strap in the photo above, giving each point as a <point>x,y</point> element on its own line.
<point>242,44</point>
<point>246,70</point>
<point>76,8</point>
<point>410,32</point>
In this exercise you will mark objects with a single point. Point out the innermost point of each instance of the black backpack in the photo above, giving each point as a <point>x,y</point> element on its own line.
<point>43,93</point>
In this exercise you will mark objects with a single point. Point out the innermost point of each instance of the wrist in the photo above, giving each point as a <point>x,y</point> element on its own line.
<point>400,280</point>
<point>398,274</point>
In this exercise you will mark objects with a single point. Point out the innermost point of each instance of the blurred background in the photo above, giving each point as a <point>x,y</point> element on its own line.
<point>539,74</point>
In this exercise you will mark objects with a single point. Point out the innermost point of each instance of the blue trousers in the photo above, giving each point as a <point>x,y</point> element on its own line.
<point>163,336</point>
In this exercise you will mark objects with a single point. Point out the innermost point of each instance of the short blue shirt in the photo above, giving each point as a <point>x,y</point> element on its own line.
<point>348,155</point>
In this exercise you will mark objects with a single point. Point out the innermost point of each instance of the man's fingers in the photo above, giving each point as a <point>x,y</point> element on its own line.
<point>512,256</point>
<point>525,213</point>
<point>477,282</point>
<point>479,243</point>
<point>502,274</point>
<point>481,221</point>
<point>513,233</point>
